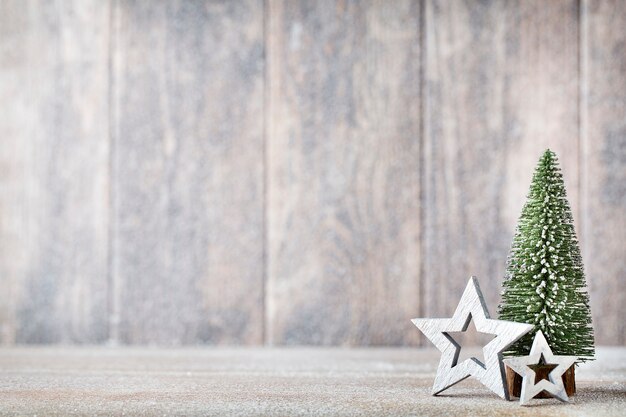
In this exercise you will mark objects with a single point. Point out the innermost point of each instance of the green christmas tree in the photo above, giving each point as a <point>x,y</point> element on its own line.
<point>545,282</point>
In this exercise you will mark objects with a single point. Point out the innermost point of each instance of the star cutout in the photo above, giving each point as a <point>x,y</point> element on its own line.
<point>524,366</point>
<point>491,373</point>
<point>542,365</point>
<point>480,339</point>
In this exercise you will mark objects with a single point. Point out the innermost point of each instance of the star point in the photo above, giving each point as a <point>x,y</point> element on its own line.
<point>471,307</point>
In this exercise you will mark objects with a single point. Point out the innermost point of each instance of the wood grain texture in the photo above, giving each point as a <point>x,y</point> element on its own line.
<point>273,382</point>
<point>343,172</point>
<point>604,165</point>
<point>188,172</point>
<point>500,87</point>
<point>160,184</point>
<point>54,171</point>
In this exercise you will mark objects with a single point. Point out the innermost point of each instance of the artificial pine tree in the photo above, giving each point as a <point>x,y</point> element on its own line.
<point>545,282</point>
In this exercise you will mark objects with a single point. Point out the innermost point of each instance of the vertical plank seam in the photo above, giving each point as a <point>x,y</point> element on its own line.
<point>113,287</point>
<point>421,158</point>
<point>583,127</point>
<point>265,176</point>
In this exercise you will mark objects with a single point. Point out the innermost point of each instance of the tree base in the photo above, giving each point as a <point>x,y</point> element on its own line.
<point>514,381</point>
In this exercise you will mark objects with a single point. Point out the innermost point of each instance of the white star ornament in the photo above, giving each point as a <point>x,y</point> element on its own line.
<point>540,352</point>
<point>491,373</point>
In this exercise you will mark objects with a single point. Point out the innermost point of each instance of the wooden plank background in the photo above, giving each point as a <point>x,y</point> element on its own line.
<point>343,172</point>
<point>603,143</point>
<point>54,144</point>
<point>501,86</point>
<point>187,183</point>
<point>294,172</point>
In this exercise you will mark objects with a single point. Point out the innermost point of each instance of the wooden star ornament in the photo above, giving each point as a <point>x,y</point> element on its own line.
<point>491,373</point>
<point>541,354</point>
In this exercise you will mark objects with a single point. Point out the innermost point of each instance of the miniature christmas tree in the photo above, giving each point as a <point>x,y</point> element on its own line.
<point>545,282</point>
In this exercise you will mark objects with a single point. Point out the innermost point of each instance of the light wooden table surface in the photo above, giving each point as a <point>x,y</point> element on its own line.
<point>50,381</point>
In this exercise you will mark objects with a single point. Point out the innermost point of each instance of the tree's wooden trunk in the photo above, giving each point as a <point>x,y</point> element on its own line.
<point>514,382</point>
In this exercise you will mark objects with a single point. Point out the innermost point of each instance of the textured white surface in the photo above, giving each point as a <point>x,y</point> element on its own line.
<point>555,385</point>
<point>57,381</point>
<point>491,373</point>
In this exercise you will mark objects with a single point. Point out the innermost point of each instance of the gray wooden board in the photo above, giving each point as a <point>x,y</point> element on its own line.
<point>343,172</point>
<point>294,382</point>
<point>54,171</point>
<point>500,87</point>
<point>154,171</point>
<point>188,172</point>
<point>603,165</point>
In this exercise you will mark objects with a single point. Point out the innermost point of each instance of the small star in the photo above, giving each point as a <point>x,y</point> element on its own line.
<point>491,372</point>
<point>525,366</point>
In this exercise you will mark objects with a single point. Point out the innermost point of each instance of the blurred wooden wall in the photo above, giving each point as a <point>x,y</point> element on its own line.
<point>295,172</point>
